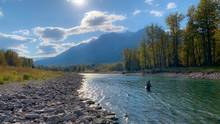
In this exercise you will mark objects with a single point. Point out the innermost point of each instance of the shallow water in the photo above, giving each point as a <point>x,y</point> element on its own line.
<point>172,100</point>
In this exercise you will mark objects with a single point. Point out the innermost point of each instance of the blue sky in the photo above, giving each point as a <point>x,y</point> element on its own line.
<point>45,28</point>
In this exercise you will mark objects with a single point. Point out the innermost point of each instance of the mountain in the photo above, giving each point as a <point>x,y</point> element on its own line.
<point>108,48</point>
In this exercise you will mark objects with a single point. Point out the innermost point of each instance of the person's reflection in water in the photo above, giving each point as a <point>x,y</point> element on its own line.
<point>148,86</point>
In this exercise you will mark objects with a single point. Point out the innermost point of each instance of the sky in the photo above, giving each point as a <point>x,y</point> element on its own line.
<point>46,28</point>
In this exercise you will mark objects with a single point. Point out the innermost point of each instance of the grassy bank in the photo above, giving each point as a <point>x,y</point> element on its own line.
<point>20,74</point>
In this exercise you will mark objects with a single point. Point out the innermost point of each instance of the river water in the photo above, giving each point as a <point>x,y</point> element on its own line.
<point>172,100</point>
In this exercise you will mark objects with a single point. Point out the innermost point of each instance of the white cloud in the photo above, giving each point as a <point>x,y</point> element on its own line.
<point>171,5</point>
<point>136,12</point>
<point>156,13</point>
<point>87,41</point>
<point>52,49</point>
<point>48,49</point>
<point>22,50</point>
<point>12,37</point>
<point>12,40</point>
<point>96,18</point>
<point>23,32</point>
<point>16,43</point>
<point>149,2</point>
<point>99,21</point>
<point>92,21</point>
<point>51,33</point>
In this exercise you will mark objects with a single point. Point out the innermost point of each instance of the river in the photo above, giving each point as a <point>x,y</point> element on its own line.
<point>171,100</point>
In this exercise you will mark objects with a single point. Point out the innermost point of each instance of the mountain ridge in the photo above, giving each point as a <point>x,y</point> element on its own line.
<point>106,49</point>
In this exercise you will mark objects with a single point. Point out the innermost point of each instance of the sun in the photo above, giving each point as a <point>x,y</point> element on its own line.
<point>78,2</point>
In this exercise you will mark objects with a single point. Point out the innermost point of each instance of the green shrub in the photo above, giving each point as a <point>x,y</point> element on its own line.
<point>6,78</point>
<point>19,78</point>
<point>1,81</point>
<point>27,77</point>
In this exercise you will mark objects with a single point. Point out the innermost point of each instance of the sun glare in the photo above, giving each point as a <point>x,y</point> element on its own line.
<point>78,2</point>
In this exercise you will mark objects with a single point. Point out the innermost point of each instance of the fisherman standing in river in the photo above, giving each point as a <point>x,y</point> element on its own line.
<point>148,86</point>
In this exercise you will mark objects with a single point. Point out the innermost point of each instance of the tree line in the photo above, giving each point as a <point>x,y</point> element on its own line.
<point>86,68</point>
<point>11,58</point>
<point>196,45</point>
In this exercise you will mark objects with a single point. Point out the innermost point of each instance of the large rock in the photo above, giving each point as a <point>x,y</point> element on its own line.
<point>69,117</point>
<point>78,113</point>
<point>54,119</point>
<point>6,106</point>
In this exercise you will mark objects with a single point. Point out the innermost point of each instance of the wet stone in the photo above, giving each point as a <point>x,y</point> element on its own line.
<point>90,102</point>
<point>6,106</point>
<point>32,116</point>
<point>89,118</point>
<point>100,121</point>
<point>111,117</point>
<point>20,96</point>
<point>98,108</point>
<point>53,119</point>
<point>27,101</point>
<point>69,117</point>
<point>78,113</point>
<point>3,118</point>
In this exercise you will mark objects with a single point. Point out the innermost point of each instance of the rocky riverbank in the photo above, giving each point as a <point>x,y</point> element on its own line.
<point>196,75</point>
<point>202,75</point>
<point>53,101</point>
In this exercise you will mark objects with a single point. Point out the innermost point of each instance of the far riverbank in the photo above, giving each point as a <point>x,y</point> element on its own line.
<point>209,73</point>
<point>193,75</point>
